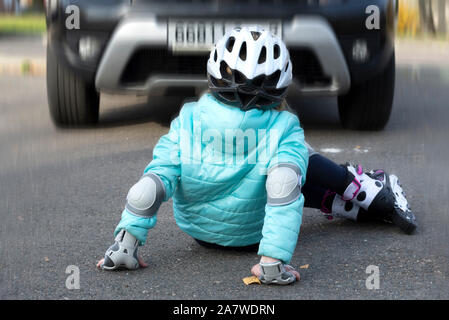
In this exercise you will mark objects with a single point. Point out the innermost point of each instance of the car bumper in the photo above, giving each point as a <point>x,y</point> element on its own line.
<point>145,31</point>
<point>123,27</point>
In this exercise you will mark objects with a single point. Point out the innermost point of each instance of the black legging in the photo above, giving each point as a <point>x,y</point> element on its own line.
<point>322,175</point>
<point>250,248</point>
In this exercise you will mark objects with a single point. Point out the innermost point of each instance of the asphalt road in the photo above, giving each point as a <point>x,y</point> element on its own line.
<point>23,46</point>
<point>62,192</point>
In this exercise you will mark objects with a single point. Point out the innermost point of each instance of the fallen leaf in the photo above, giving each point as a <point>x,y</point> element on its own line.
<point>306,266</point>
<point>251,280</point>
<point>46,259</point>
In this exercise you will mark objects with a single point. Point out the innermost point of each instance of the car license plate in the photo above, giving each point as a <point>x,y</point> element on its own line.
<point>200,36</point>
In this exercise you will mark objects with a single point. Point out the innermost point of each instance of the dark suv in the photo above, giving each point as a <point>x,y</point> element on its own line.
<point>142,46</point>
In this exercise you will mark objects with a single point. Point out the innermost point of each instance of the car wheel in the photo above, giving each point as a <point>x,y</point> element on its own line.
<point>72,101</point>
<point>368,106</point>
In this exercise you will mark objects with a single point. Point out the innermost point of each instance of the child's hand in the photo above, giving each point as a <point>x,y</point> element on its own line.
<point>257,271</point>
<point>142,263</point>
<point>122,254</point>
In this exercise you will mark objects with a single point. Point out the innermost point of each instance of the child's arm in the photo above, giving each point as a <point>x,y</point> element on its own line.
<point>157,184</point>
<point>283,217</point>
<point>159,180</point>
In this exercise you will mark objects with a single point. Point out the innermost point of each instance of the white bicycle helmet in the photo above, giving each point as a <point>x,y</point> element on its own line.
<point>250,68</point>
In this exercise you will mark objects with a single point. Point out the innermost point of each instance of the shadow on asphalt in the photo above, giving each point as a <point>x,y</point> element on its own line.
<point>157,109</point>
<point>315,113</point>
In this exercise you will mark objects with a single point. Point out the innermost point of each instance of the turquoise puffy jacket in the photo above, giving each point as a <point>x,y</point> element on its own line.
<point>213,162</point>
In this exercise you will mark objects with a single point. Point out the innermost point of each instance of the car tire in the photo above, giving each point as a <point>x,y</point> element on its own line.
<point>72,100</point>
<point>368,106</point>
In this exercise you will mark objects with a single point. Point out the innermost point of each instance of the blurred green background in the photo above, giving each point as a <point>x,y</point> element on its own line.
<point>22,16</point>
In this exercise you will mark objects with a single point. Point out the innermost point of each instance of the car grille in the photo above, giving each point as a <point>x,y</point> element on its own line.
<point>307,68</point>
<point>148,61</point>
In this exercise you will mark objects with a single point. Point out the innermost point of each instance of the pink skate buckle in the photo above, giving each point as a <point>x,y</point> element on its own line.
<point>325,210</point>
<point>353,189</point>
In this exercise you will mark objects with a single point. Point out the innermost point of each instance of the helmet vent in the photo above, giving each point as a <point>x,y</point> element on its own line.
<point>286,66</point>
<point>239,77</point>
<point>276,51</point>
<point>262,56</point>
<point>224,71</point>
<point>230,44</point>
<point>255,35</point>
<point>215,55</point>
<point>242,53</point>
<point>218,82</point>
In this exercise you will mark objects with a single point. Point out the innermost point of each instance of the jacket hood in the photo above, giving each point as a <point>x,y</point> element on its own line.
<point>218,115</point>
<point>232,125</point>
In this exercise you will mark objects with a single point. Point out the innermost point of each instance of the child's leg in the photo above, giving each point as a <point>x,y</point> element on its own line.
<point>326,174</point>
<point>352,184</point>
<point>347,191</point>
<point>331,204</point>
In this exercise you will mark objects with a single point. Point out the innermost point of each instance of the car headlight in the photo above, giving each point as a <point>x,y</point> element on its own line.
<point>88,48</point>
<point>360,51</point>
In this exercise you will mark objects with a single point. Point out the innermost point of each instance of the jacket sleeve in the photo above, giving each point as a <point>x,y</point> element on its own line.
<point>282,223</point>
<point>166,159</point>
<point>166,166</point>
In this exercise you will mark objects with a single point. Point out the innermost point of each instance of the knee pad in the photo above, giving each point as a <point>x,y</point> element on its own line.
<point>146,196</point>
<point>283,184</point>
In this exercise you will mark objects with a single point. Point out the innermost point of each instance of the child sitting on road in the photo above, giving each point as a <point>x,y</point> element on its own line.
<point>235,163</point>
